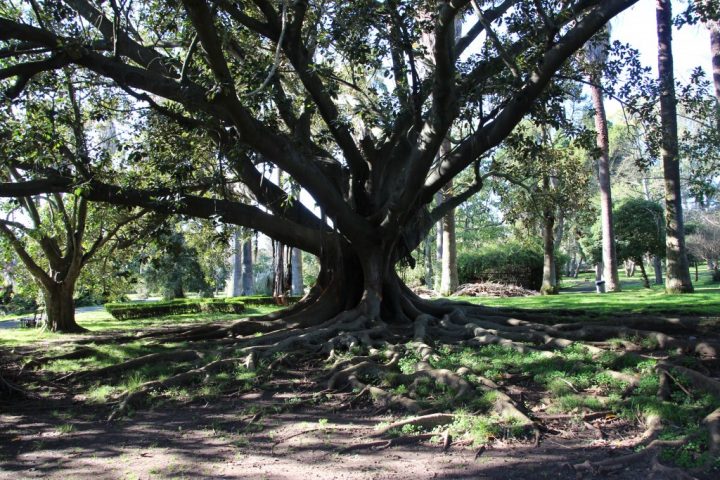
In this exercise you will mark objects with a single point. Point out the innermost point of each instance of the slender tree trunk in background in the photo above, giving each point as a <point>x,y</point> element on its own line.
<point>678,268</point>
<point>559,232</point>
<point>297,275</point>
<point>449,273</point>
<point>234,288</point>
<point>438,231</point>
<point>714,27</point>
<point>548,287</point>
<point>656,260</point>
<point>576,273</point>
<point>696,271</point>
<point>428,262</point>
<point>279,272</point>
<point>449,277</point>
<point>657,266</point>
<point>646,281</point>
<point>248,282</point>
<point>599,286</point>
<point>612,281</point>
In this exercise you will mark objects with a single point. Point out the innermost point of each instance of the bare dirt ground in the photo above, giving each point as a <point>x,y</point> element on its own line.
<point>276,435</point>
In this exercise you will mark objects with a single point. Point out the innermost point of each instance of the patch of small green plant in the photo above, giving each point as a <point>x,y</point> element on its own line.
<point>407,363</point>
<point>405,430</point>
<point>693,454</point>
<point>65,428</point>
<point>482,428</point>
<point>105,355</point>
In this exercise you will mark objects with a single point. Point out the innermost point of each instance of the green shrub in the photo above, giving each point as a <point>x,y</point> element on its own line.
<point>125,311</point>
<point>508,263</point>
<point>180,306</point>
<point>21,304</point>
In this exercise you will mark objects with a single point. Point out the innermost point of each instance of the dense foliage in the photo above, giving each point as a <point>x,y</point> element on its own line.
<point>505,263</point>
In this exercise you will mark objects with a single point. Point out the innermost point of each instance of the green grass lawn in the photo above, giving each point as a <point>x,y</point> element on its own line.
<point>632,299</point>
<point>99,321</point>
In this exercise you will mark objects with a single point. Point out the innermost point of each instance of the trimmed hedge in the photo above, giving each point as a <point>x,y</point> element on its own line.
<point>126,311</point>
<point>265,299</point>
<point>510,263</point>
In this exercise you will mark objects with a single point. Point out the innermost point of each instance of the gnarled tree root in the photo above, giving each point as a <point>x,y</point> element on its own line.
<point>153,358</point>
<point>653,448</point>
<point>391,442</point>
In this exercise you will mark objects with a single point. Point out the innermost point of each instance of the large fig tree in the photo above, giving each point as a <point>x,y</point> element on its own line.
<point>353,103</point>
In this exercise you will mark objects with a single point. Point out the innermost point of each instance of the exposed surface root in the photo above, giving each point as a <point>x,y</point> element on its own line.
<point>9,389</point>
<point>424,421</point>
<point>132,399</point>
<point>415,364</point>
<point>75,354</point>
<point>391,442</point>
<point>153,358</point>
<point>696,379</point>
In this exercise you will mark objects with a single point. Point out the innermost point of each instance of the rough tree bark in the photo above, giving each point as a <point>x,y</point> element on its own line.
<point>297,272</point>
<point>429,274</point>
<point>248,281</point>
<point>714,28</point>
<point>549,283</point>
<point>235,286</point>
<point>610,272</point>
<point>678,267</point>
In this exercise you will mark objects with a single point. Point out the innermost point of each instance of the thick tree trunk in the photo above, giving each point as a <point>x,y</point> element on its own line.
<point>678,268</point>
<point>612,281</point>
<point>297,273</point>
<point>60,308</point>
<point>177,289</point>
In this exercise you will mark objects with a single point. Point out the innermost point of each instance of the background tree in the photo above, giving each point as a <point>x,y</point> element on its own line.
<point>704,241</point>
<point>595,55</point>
<point>539,193</point>
<point>55,235</point>
<point>678,268</point>
<point>180,260</point>
<point>640,232</point>
<point>373,172</point>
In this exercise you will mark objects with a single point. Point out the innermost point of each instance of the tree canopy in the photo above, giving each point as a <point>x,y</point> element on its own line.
<point>351,100</point>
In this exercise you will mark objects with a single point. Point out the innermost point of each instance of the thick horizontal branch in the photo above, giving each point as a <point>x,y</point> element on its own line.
<point>138,53</point>
<point>169,202</point>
